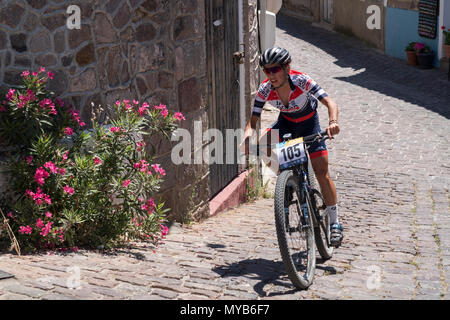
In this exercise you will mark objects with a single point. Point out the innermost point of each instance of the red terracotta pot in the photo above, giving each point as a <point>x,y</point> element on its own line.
<point>412,58</point>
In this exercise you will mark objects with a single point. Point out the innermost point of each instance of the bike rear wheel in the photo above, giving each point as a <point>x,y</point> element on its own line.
<point>295,233</point>
<point>322,230</point>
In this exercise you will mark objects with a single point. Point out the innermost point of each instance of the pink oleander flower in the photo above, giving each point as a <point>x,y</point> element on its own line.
<point>179,116</point>
<point>45,102</point>
<point>141,145</point>
<point>115,129</point>
<point>52,109</point>
<point>135,102</point>
<point>40,176</point>
<point>48,214</point>
<point>97,161</point>
<point>126,183</point>
<point>62,171</point>
<point>68,131</point>
<point>65,155</point>
<point>39,223</point>
<point>47,199</point>
<point>29,159</point>
<point>142,110</point>
<point>164,230</point>
<point>25,230</point>
<point>10,215</point>
<point>10,95</point>
<point>163,109</point>
<point>46,229</point>
<point>149,206</point>
<point>51,166</point>
<point>39,197</point>
<point>69,190</point>
<point>76,117</point>
<point>35,74</point>
<point>41,69</point>
<point>2,109</point>
<point>50,75</point>
<point>158,169</point>
<point>25,73</point>
<point>142,165</point>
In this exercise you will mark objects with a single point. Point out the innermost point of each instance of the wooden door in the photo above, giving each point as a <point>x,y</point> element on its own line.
<point>223,74</point>
<point>328,11</point>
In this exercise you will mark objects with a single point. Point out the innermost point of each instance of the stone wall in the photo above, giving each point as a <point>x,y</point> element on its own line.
<point>148,50</point>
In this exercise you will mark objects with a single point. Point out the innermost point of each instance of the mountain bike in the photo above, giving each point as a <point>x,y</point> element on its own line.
<point>301,218</point>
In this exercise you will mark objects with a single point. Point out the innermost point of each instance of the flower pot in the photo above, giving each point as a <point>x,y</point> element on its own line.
<point>412,58</point>
<point>425,60</point>
<point>447,50</point>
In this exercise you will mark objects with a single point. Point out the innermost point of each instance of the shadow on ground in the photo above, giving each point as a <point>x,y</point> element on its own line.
<point>387,75</point>
<point>268,274</point>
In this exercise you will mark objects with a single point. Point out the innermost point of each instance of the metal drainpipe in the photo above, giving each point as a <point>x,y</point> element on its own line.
<point>241,66</point>
<point>441,35</point>
<point>263,8</point>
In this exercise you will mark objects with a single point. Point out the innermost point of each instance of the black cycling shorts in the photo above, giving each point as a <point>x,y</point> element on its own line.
<point>301,129</point>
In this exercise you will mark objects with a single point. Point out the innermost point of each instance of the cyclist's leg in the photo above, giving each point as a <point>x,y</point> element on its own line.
<point>319,161</point>
<point>328,189</point>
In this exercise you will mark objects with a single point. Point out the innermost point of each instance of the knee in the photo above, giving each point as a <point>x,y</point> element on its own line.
<point>322,173</point>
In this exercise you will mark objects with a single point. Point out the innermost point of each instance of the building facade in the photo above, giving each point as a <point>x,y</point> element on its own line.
<point>399,21</point>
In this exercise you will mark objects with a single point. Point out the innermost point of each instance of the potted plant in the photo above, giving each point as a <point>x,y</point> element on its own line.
<point>446,42</point>
<point>411,54</point>
<point>425,56</point>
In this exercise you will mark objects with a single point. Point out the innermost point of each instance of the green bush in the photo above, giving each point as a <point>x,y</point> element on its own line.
<point>69,187</point>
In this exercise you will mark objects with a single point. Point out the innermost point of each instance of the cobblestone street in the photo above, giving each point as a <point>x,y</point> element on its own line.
<point>391,167</point>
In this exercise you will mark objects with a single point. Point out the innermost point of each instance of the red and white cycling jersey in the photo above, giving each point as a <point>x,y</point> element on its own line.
<point>302,99</point>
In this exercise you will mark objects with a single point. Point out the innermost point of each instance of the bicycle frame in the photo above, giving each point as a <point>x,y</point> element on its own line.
<point>300,172</point>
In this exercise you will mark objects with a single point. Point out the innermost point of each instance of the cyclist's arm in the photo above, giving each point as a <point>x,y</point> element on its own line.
<point>333,128</point>
<point>258,105</point>
<point>332,108</point>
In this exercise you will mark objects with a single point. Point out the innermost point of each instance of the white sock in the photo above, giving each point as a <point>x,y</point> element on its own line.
<point>333,213</point>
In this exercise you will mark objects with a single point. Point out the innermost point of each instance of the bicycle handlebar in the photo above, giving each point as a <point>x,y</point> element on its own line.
<point>321,136</point>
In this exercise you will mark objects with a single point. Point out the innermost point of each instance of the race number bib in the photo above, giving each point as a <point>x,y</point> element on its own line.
<point>291,153</point>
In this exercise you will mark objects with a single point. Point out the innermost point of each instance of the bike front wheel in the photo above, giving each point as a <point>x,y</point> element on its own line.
<point>295,231</point>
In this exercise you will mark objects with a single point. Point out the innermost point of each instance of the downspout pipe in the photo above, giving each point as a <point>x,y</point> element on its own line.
<point>241,66</point>
<point>262,15</point>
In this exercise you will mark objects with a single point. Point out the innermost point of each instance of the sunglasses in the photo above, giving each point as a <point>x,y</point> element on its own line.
<point>273,70</point>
